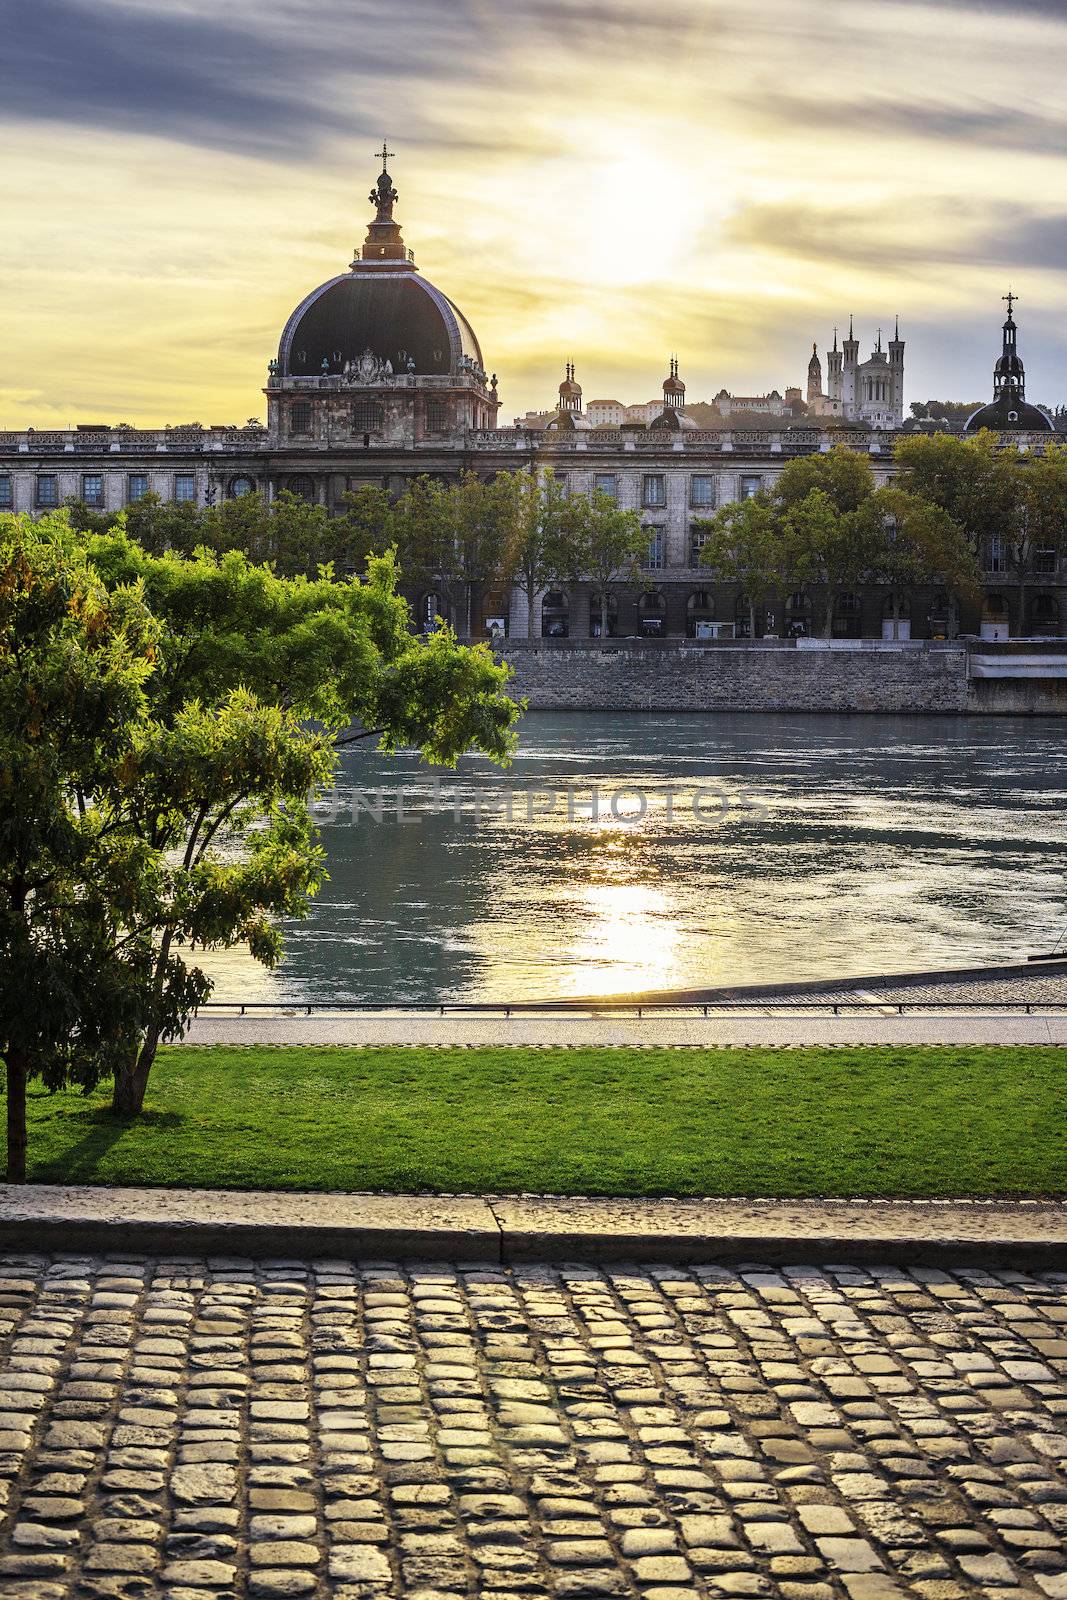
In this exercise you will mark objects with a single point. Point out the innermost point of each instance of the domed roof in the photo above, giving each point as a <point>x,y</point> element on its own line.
<point>1009,411</point>
<point>381,305</point>
<point>1009,414</point>
<point>390,310</point>
<point>569,389</point>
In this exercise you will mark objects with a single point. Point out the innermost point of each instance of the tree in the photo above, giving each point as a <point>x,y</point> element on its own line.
<point>475,517</point>
<point>603,544</point>
<point>1042,537</point>
<point>74,661</point>
<point>912,542</point>
<point>535,550</point>
<point>843,475</point>
<point>825,544</point>
<point>745,545</point>
<point>210,804</point>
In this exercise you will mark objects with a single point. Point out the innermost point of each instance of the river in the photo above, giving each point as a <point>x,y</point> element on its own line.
<point>725,849</point>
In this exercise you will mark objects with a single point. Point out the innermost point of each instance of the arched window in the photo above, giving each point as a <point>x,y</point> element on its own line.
<point>432,611</point>
<point>798,615</point>
<point>847,616</point>
<point>652,615</point>
<point>594,616</point>
<point>555,615</point>
<point>1045,614</point>
<point>239,487</point>
<point>301,486</point>
<point>699,611</point>
<point>366,417</point>
<point>300,416</point>
<point>995,608</point>
<point>742,617</point>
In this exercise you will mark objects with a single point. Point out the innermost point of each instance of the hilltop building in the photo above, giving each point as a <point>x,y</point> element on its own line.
<point>379,378</point>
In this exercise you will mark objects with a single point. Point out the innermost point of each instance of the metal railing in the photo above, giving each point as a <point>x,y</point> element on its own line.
<point>633,1007</point>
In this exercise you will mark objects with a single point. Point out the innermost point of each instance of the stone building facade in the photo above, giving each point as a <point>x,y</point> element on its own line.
<point>379,378</point>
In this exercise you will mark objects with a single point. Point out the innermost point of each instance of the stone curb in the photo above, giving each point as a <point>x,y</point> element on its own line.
<point>511,1230</point>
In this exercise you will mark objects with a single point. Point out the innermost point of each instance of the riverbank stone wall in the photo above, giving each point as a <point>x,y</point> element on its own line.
<point>631,675</point>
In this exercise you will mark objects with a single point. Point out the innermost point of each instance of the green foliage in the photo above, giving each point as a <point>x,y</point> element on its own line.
<point>535,552</point>
<point>745,544</point>
<point>162,764</point>
<point>604,544</point>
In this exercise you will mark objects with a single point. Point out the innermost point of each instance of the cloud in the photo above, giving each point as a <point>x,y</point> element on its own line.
<point>940,231</point>
<point>265,81</point>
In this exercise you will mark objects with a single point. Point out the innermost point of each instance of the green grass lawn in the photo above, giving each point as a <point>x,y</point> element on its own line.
<point>625,1122</point>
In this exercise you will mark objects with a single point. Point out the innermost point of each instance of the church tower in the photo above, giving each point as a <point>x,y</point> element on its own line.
<point>896,374</point>
<point>814,376</point>
<point>850,374</point>
<point>834,372</point>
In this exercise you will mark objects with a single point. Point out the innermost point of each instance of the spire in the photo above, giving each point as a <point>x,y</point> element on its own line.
<point>850,332</point>
<point>896,327</point>
<point>673,387</point>
<point>834,351</point>
<point>384,241</point>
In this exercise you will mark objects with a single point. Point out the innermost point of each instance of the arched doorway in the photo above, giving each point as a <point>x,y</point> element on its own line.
<point>594,616</point>
<point>432,611</point>
<point>699,614</point>
<point>1045,615</point>
<point>743,618</point>
<point>798,615</point>
<point>896,617</point>
<point>995,627</point>
<point>847,616</point>
<point>652,615</point>
<point>555,615</point>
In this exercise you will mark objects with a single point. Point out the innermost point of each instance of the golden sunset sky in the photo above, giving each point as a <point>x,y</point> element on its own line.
<point>604,182</point>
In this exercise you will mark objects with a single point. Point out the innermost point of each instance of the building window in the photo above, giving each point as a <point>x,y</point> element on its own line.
<point>137,487</point>
<point>654,557</point>
<point>7,497</point>
<point>300,417</point>
<point>302,487</point>
<point>702,491</point>
<point>185,488</point>
<point>47,489</point>
<point>750,486</point>
<point>654,489</point>
<point>996,608</point>
<point>699,613</point>
<point>1045,614</point>
<point>437,416</point>
<point>995,554</point>
<point>698,538</point>
<point>652,615</point>
<point>606,483</point>
<point>239,487</point>
<point>555,615</point>
<point>93,489</point>
<point>1045,559</point>
<point>366,417</point>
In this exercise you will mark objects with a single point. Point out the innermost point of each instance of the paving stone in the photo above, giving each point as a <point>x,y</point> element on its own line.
<point>815,1433</point>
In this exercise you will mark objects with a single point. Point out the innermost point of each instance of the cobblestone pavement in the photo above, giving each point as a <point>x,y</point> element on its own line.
<point>199,1430</point>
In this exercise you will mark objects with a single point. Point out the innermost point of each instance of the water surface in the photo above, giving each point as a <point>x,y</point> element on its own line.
<point>818,847</point>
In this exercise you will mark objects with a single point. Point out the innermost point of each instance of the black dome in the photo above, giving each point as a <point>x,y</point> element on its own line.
<point>1008,414</point>
<point>389,310</point>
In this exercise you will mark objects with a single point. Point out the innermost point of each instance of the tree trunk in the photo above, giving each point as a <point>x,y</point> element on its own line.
<point>18,1072</point>
<point>828,622</point>
<point>131,1081</point>
<point>751,619</point>
<point>603,615</point>
<point>1021,619</point>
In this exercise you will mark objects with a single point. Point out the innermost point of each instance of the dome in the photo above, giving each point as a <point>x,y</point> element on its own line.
<point>1008,414</point>
<point>390,310</point>
<point>381,308</point>
<point>1009,411</point>
<point>569,389</point>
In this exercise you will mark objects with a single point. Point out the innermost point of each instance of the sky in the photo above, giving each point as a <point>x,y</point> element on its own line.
<point>606,182</point>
